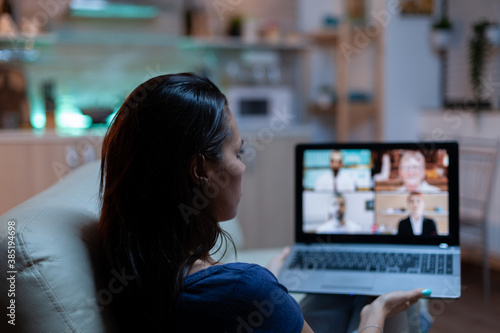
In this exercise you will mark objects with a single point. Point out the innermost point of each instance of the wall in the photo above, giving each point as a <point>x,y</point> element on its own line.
<point>464,14</point>
<point>412,67</point>
<point>412,75</point>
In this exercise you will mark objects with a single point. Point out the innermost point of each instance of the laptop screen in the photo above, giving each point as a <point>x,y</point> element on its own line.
<point>384,192</point>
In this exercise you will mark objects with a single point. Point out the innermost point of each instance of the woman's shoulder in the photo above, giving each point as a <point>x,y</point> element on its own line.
<point>242,267</point>
<point>250,272</point>
<point>235,293</point>
<point>235,270</point>
<point>248,269</point>
<point>222,282</point>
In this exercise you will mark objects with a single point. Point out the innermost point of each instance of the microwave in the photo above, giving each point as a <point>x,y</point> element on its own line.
<point>257,105</point>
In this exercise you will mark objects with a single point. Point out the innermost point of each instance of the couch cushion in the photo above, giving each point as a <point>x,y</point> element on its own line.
<point>56,259</point>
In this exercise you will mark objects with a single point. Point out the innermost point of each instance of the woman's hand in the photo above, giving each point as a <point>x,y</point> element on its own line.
<point>277,262</point>
<point>386,306</point>
<point>397,301</point>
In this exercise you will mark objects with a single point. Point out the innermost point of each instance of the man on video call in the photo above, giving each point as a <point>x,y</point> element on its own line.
<point>416,224</point>
<point>337,223</point>
<point>336,179</point>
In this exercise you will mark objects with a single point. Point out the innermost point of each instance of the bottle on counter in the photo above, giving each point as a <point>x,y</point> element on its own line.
<point>14,106</point>
<point>49,103</point>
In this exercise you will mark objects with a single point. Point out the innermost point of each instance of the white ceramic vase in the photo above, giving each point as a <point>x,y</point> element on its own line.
<point>493,34</point>
<point>440,39</point>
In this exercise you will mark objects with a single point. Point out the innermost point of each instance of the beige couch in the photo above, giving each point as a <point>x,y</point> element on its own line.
<point>56,289</point>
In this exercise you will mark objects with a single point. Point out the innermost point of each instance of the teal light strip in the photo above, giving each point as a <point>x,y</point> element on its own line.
<point>117,11</point>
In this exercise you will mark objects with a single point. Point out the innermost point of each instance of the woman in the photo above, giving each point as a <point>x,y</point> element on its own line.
<point>412,173</point>
<point>170,172</point>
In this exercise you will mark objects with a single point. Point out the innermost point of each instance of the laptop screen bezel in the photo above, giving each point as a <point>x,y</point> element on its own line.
<point>452,239</point>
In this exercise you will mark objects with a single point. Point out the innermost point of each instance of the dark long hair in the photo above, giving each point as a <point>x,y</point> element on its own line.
<point>145,185</point>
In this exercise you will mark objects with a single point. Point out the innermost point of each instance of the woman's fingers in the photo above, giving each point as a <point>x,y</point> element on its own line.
<point>277,262</point>
<point>284,253</point>
<point>398,301</point>
<point>416,294</point>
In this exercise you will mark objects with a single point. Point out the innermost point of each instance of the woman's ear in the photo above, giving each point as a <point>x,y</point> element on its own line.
<point>197,169</point>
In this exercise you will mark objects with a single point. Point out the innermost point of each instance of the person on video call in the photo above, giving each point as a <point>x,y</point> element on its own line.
<point>412,172</point>
<point>337,223</point>
<point>416,224</point>
<point>336,180</point>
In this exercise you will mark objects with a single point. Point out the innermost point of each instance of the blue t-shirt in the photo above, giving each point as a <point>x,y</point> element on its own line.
<point>236,297</point>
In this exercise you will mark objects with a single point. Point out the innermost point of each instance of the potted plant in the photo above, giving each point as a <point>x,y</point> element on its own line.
<point>479,48</point>
<point>441,33</point>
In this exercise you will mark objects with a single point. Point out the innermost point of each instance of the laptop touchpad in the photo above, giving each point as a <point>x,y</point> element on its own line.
<point>349,281</point>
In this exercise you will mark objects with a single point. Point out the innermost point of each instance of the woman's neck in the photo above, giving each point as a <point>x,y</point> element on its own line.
<point>201,264</point>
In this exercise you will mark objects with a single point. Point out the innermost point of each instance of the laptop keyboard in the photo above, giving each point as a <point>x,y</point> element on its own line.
<point>420,263</point>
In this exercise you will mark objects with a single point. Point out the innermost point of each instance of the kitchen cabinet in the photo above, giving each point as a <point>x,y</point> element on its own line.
<point>267,211</point>
<point>31,161</point>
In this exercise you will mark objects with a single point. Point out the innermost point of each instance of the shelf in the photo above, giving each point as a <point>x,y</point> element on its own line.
<point>36,40</point>
<point>236,43</point>
<point>354,107</point>
<point>118,38</point>
<point>18,55</point>
<point>107,38</point>
<point>334,36</point>
<point>20,47</point>
<point>358,112</point>
<point>329,36</point>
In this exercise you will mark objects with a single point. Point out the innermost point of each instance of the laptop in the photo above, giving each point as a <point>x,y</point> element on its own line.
<point>371,218</point>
